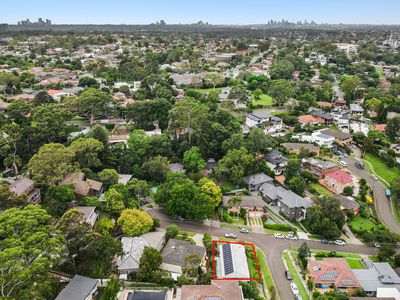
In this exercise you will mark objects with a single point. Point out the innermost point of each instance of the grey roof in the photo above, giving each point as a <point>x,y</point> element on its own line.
<point>247,201</point>
<point>270,190</point>
<point>298,146</point>
<point>78,288</point>
<point>323,165</point>
<point>356,107</point>
<point>348,203</point>
<point>322,114</point>
<point>292,200</point>
<point>275,157</point>
<point>259,116</point>
<point>175,252</point>
<point>258,178</point>
<point>143,295</point>
<point>381,275</point>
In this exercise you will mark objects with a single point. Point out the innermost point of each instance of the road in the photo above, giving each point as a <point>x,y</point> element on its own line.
<point>382,204</point>
<point>271,246</point>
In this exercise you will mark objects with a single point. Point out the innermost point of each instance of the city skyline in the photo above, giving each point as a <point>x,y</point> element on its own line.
<point>223,12</point>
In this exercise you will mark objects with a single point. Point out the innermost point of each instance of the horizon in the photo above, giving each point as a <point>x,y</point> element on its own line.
<point>225,12</point>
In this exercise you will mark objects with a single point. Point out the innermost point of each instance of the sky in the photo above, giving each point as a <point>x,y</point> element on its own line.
<point>190,11</point>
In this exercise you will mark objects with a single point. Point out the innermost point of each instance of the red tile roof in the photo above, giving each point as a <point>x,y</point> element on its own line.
<point>340,176</point>
<point>224,290</point>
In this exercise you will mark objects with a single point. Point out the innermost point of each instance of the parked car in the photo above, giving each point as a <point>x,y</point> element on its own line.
<point>340,243</point>
<point>377,245</point>
<point>230,235</point>
<point>288,275</point>
<point>294,288</point>
<point>279,236</point>
<point>298,297</point>
<point>324,241</point>
<point>373,176</point>
<point>343,163</point>
<point>294,238</point>
<point>360,166</point>
<point>354,146</point>
<point>180,218</point>
<point>243,230</point>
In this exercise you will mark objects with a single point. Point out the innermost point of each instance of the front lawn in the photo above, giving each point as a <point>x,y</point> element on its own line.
<point>338,254</point>
<point>355,263</point>
<point>234,226</point>
<point>253,270</point>
<point>295,275</point>
<point>359,223</point>
<point>380,168</point>
<point>264,100</point>
<point>262,261</point>
<point>321,190</point>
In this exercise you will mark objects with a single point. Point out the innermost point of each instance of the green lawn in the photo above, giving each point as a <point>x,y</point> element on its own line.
<point>338,254</point>
<point>189,234</point>
<point>262,261</point>
<point>296,277</point>
<point>381,169</point>
<point>359,223</point>
<point>218,90</point>
<point>321,190</point>
<point>265,100</point>
<point>251,262</point>
<point>234,226</point>
<point>227,185</point>
<point>355,263</point>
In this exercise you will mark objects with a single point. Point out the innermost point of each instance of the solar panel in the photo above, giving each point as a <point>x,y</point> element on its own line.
<point>327,278</point>
<point>228,261</point>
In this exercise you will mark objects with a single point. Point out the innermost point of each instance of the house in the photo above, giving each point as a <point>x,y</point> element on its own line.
<point>326,117</point>
<point>319,138</point>
<point>348,204</point>
<point>268,122</point>
<point>341,138</point>
<point>83,187</point>
<point>25,186</point>
<point>218,289</point>
<point>289,203</point>
<point>187,80</point>
<point>311,120</point>
<point>380,275</point>
<point>356,109</point>
<point>133,249</point>
<point>276,162</point>
<point>79,288</point>
<point>232,261</point>
<point>296,148</point>
<point>89,214</point>
<point>332,273</point>
<point>319,167</point>
<point>124,178</point>
<point>177,168</point>
<point>255,181</point>
<point>254,205</point>
<point>148,295</point>
<point>174,254</point>
<point>336,181</point>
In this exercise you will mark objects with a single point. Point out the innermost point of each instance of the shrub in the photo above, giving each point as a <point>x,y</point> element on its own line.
<point>280,227</point>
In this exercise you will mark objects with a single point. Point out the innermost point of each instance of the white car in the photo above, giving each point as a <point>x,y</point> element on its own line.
<point>340,243</point>
<point>294,288</point>
<point>294,238</point>
<point>279,236</point>
<point>230,235</point>
<point>373,176</point>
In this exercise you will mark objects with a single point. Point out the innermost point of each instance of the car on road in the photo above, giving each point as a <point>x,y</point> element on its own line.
<point>279,236</point>
<point>373,176</point>
<point>243,230</point>
<point>377,245</point>
<point>288,275</point>
<point>298,297</point>
<point>324,241</point>
<point>354,146</point>
<point>360,165</point>
<point>180,218</point>
<point>230,235</point>
<point>294,288</point>
<point>343,163</point>
<point>340,243</point>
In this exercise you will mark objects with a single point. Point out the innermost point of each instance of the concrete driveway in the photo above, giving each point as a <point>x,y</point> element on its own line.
<point>271,246</point>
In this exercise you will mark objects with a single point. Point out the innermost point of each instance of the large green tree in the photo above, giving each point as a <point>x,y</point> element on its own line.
<point>93,103</point>
<point>236,164</point>
<point>193,161</point>
<point>280,90</point>
<point>135,222</point>
<point>86,152</point>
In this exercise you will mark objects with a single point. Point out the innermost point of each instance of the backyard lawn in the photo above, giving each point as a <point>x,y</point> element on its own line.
<point>355,263</point>
<point>265,100</point>
<point>359,223</point>
<point>380,168</point>
<point>321,190</point>
<point>227,185</point>
<point>296,277</point>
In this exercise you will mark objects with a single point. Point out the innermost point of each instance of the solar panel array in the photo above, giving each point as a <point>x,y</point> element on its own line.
<point>327,278</point>
<point>228,262</point>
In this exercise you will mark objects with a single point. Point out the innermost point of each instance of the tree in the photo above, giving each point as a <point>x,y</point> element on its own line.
<point>303,254</point>
<point>88,82</point>
<point>240,93</point>
<point>211,189</point>
<point>150,261</point>
<point>10,137</point>
<point>257,141</point>
<point>43,98</point>
<point>93,103</point>
<point>50,165</point>
<point>114,201</point>
<point>280,90</point>
<point>281,69</point>
<point>108,177</point>
<point>191,265</point>
<point>135,222</point>
<point>29,248</point>
<point>58,199</point>
<point>297,185</point>
<point>350,86</point>
<point>348,191</point>
<point>139,189</point>
<point>9,199</point>
<point>257,93</point>
<point>386,252</point>
<point>86,152</point>
<point>236,164</point>
<point>155,169</point>
<point>187,200</point>
<point>112,288</point>
<point>393,128</point>
<point>172,231</point>
<point>292,169</point>
<point>193,161</point>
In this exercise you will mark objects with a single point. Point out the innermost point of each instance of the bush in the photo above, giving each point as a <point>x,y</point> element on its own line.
<point>228,218</point>
<point>280,227</point>
<point>172,231</point>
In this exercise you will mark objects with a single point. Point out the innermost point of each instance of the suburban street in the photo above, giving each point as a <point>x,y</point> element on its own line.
<point>271,246</point>
<point>382,203</point>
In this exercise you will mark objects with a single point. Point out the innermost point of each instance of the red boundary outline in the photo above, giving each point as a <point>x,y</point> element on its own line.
<point>214,276</point>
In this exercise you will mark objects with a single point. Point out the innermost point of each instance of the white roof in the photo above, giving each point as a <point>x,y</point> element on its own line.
<point>388,293</point>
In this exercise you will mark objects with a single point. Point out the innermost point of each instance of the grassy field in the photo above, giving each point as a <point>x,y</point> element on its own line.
<point>296,276</point>
<point>265,100</point>
<point>360,223</point>
<point>321,190</point>
<point>262,261</point>
<point>355,263</point>
<point>227,185</point>
<point>380,168</point>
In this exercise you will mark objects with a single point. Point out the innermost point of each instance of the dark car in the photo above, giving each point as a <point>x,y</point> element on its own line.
<point>288,275</point>
<point>324,241</point>
<point>360,166</point>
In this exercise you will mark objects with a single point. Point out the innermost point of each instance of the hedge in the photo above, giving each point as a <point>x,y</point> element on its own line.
<point>279,227</point>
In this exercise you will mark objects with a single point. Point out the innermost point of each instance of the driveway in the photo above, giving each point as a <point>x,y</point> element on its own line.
<point>382,203</point>
<point>271,246</point>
